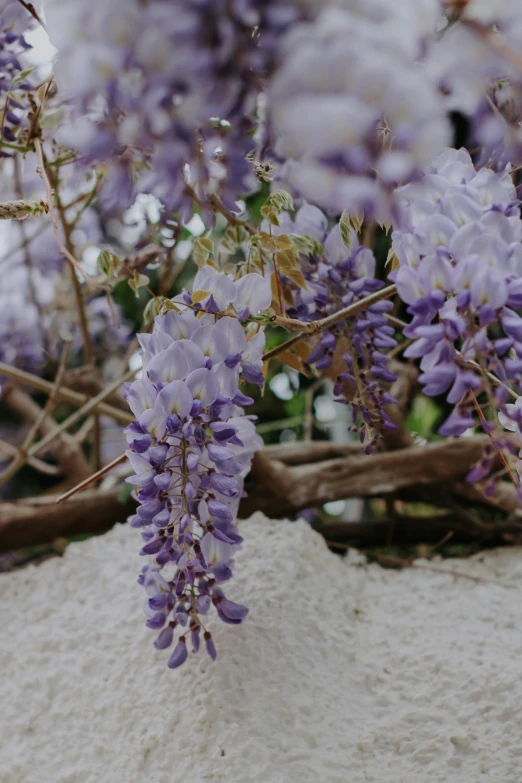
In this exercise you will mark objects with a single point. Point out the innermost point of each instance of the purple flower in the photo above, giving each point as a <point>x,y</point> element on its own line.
<point>191,448</point>
<point>458,248</point>
<point>229,611</point>
<point>342,275</point>
<point>179,656</point>
<point>164,640</point>
<point>164,72</point>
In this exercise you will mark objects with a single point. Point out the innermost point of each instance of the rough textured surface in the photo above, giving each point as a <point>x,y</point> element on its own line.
<point>342,673</point>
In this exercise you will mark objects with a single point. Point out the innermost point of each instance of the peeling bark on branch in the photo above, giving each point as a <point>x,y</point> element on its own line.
<point>286,479</point>
<point>39,520</point>
<point>279,489</point>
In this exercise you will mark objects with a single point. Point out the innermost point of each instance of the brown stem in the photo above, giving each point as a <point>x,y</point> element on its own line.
<point>65,394</point>
<point>28,261</point>
<point>83,484</point>
<point>43,467</point>
<point>69,257</point>
<point>39,520</point>
<point>496,41</point>
<point>32,10</point>
<point>279,489</point>
<point>77,415</point>
<point>80,304</point>
<point>67,452</point>
<point>23,454</point>
<point>315,327</point>
<point>218,206</point>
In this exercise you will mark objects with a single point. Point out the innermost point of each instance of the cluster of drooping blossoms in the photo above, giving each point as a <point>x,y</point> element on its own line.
<point>15,22</point>
<point>460,271</point>
<point>339,272</point>
<point>178,82</point>
<point>352,110</point>
<point>474,63</point>
<point>191,447</point>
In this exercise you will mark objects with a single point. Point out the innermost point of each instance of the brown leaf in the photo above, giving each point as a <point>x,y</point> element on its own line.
<point>286,260</point>
<point>284,242</point>
<point>296,276</point>
<point>293,361</point>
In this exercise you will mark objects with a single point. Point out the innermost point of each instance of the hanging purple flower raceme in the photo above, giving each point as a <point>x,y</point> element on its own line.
<point>474,64</point>
<point>191,447</point>
<point>353,112</point>
<point>15,82</point>
<point>158,85</point>
<point>338,278</point>
<point>460,271</point>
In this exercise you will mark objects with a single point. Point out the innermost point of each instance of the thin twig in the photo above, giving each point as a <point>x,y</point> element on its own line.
<point>51,400</point>
<point>489,434</point>
<point>27,241</point>
<point>23,451</point>
<point>28,261</point>
<point>496,41</point>
<point>315,327</point>
<point>280,424</point>
<point>282,347</point>
<point>92,479</point>
<point>38,464</point>
<point>309,404</point>
<point>54,221</point>
<point>67,452</point>
<point>82,318</point>
<point>77,415</point>
<point>84,430</point>
<point>68,395</point>
<point>82,313</point>
<point>32,10</point>
<point>217,206</point>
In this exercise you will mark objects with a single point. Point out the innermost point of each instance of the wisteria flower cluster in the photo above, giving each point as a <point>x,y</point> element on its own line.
<point>460,264</point>
<point>158,85</point>
<point>15,76</point>
<point>353,126</point>
<point>340,272</point>
<point>191,447</point>
<point>474,64</point>
<point>194,127</point>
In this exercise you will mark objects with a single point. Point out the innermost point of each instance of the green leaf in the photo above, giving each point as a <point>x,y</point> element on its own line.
<point>234,238</point>
<point>152,309</point>
<point>357,222</point>
<point>270,214</point>
<point>202,249</point>
<point>281,200</point>
<point>345,227</point>
<point>109,264</point>
<point>306,245</point>
<point>424,417</point>
<point>138,281</point>
<point>124,493</point>
<point>23,75</point>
